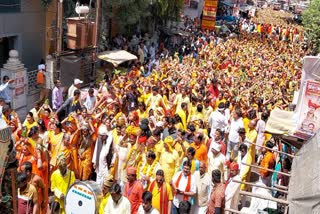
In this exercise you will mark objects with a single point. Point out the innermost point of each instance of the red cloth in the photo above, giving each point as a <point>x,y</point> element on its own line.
<point>134,194</point>
<point>223,149</point>
<point>163,197</point>
<point>185,197</point>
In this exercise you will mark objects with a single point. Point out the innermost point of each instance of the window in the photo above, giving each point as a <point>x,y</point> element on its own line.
<point>10,6</point>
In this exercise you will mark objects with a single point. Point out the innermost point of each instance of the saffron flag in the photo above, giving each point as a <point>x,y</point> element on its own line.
<point>209,14</point>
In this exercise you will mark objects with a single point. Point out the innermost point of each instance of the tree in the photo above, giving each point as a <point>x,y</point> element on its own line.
<point>311,23</point>
<point>165,10</point>
<point>127,13</point>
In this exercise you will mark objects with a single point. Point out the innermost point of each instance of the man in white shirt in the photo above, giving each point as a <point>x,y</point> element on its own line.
<point>152,51</point>
<point>203,182</point>
<point>76,85</point>
<point>216,160</point>
<point>101,151</point>
<point>235,125</point>
<point>118,203</point>
<point>233,188</point>
<point>90,101</point>
<point>146,206</point>
<point>184,185</point>
<point>217,120</point>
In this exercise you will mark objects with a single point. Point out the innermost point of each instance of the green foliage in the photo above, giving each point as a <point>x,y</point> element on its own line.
<point>311,23</point>
<point>127,13</point>
<point>167,10</point>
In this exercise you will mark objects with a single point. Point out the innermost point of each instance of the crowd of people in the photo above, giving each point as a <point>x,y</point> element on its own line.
<point>178,135</point>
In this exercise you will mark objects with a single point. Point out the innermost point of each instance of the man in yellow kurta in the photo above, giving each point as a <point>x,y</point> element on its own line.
<point>183,114</point>
<point>61,180</point>
<point>169,159</point>
<point>252,137</point>
<point>155,99</point>
<point>107,183</point>
<point>161,193</point>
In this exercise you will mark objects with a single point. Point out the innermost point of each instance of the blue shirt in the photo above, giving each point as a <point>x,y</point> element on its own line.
<point>5,92</point>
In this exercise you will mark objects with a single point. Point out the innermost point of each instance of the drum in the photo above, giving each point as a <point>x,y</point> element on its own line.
<point>83,197</point>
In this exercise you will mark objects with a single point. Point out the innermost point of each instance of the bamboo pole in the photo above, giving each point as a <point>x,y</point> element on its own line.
<point>281,187</point>
<point>270,170</point>
<point>234,211</point>
<point>261,186</point>
<point>271,149</point>
<point>250,194</point>
<point>14,192</point>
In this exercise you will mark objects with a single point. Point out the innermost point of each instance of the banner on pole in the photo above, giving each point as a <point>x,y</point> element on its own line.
<point>209,14</point>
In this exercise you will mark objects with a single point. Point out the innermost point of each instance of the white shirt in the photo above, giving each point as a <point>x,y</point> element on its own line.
<point>152,211</point>
<point>90,102</point>
<point>182,186</point>
<point>102,169</point>
<point>71,90</point>
<point>217,121</point>
<point>218,162</point>
<point>203,188</point>
<point>234,127</point>
<point>122,207</point>
<point>232,193</point>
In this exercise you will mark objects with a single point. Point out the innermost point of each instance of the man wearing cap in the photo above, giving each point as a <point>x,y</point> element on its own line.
<point>107,183</point>
<point>216,160</point>
<point>133,189</point>
<point>102,151</point>
<point>233,188</point>
<point>76,85</point>
<point>61,180</point>
<point>217,120</point>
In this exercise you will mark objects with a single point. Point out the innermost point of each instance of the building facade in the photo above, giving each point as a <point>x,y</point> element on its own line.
<point>23,28</point>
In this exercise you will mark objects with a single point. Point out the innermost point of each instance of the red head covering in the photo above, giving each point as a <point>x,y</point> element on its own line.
<point>142,139</point>
<point>234,166</point>
<point>131,170</point>
<point>314,105</point>
<point>135,118</point>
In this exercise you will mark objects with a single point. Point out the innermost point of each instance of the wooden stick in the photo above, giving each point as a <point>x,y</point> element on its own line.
<point>14,192</point>
<point>271,149</point>
<point>261,186</point>
<point>234,211</point>
<point>270,170</point>
<point>250,194</point>
<point>281,187</point>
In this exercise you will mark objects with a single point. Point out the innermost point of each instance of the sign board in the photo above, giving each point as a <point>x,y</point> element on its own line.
<point>209,14</point>
<point>309,113</point>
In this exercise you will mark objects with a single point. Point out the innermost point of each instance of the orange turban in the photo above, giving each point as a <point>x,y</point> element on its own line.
<point>131,170</point>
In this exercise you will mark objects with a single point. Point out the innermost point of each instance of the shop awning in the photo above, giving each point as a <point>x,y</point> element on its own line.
<point>117,57</point>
